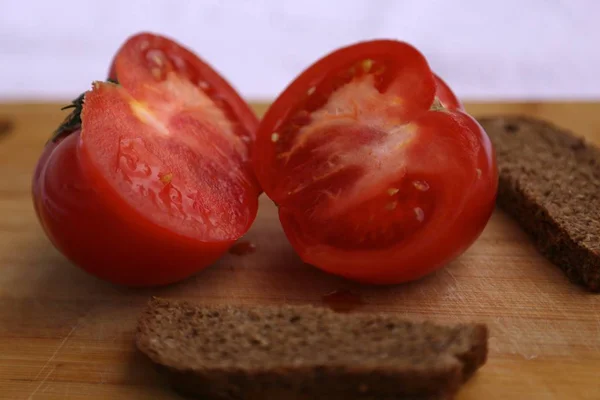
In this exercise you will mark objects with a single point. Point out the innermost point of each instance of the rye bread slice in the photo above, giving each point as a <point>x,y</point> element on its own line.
<point>550,183</point>
<point>303,352</point>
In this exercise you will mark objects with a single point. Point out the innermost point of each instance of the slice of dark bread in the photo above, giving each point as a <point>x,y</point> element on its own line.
<point>304,352</point>
<point>550,183</point>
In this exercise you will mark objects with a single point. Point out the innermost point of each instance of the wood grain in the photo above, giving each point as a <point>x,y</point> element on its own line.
<point>66,335</point>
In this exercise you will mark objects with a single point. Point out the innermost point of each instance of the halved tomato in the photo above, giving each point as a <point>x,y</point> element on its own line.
<point>149,179</point>
<point>378,174</point>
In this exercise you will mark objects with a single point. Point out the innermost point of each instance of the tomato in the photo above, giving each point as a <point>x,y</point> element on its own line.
<point>150,180</point>
<point>445,95</point>
<point>378,174</point>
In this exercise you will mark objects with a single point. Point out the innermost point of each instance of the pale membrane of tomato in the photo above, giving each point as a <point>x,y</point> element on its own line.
<point>355,106</point>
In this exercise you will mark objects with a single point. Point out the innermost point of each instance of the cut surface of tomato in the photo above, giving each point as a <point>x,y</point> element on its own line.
<point>147,59</point>
<point>181,169</point>
<point>378,174</point>
<point>150,178</point>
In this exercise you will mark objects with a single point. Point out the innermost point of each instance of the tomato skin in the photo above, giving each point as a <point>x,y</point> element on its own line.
<point>451,208</point>
<point>446,96</point>
<point>113,244</point>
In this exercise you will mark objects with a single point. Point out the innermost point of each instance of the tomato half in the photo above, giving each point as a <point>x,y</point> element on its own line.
<point>378,174</point>
<point>150,180</point>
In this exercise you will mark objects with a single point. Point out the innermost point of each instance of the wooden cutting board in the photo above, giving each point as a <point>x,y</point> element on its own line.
<point>66,335</point>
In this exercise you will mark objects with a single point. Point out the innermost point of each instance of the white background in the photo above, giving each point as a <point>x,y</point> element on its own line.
<point>503,49</point>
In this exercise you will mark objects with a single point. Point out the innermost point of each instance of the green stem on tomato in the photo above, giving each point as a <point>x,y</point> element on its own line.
<point>73,121</point>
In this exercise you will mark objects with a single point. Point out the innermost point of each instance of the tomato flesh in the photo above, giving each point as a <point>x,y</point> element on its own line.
<point>156,183</point>
<point>379,179</point>
<point>379,221</point>
<point>147,59</point>
<point>178,167</point>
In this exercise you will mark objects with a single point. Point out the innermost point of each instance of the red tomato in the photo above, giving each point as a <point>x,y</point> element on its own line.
<point>375,179</point>
<point>446,96</point>
<point>155,183</point>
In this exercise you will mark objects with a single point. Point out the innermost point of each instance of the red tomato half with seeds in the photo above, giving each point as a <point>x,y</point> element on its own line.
<point>378,174</point>
<point>149,179</point>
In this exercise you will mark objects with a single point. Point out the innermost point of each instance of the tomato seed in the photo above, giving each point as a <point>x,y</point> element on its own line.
<point>421,185</point>
<point>367,64</point>
<point>203,85</point>
<point>391,206</point>
<point>419,214</point>
<point>156,72</point>
<point>156,56</point>
<point>167,178</point>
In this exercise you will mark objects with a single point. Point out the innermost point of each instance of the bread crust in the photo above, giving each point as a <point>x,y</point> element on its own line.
<point>549,181</point>
<point>306,353</point>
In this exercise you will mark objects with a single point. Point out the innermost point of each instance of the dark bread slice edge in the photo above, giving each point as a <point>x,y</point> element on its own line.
<point>451,356</point>
<point>549,181</point>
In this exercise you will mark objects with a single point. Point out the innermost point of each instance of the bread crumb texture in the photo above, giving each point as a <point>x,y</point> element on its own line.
<point>229,352</point>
